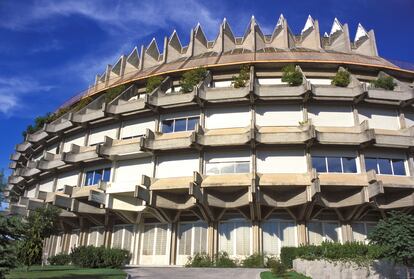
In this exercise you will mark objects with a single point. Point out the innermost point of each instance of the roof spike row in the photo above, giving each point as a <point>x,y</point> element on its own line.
<point>253,39</point>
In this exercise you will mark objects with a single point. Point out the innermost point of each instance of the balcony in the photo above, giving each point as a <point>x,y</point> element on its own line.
<point>50,161</point>
<point>93,111</point>
<point>60,124</point>
<point>394,138</point>
<point>355,135</point>
<point>285,135</point>
<point>127,102</point>
<point>79,154</point>
<point>122,149</point>
<point>23,147</point>
<point>223,137</point>
<point>37,136</point>
<point>168,141</point>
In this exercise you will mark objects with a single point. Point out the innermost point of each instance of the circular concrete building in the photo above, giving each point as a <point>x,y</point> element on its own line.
<point>167,174</point>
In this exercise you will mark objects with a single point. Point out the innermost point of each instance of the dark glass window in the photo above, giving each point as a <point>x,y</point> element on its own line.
<point>349,164</point>
<point>384,166</point>
<point>180,125</point>
<point>319,163</point>
<point>167,126</point>
<point>93,177</point>
<point>243,167</point>
<point>371,164</point>
<point>192,123</point>
<point>334,164</point>
<point>398,166</point>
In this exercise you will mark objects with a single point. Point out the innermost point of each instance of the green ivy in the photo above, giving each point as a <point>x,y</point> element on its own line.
<point>192,78</point>
<point>292,76</point>
<point>386,83</point>
<point>152,83</point>
<point>342,78</point>
<point>241,79</point>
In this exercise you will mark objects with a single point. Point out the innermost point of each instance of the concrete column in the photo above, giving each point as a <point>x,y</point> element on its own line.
<point>108,228</point>
<point>84,231</point>
<point>410,164</point>
<point>361,156</point>
<point>173,250</point>
<point>118,130</point>
<point>401,118</point>
<point>256,237</point>
<point>305,112</point>
<point>301,231</point>
<point>212,235</point>
<point>346,231</point>
<point>356,115</point>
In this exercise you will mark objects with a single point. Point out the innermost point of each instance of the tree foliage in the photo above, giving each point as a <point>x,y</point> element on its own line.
<point>241,79</point>
<point>11,230</point>
<point>342,78</point>
<point>152,83</point>
<point>396,233</point>
<point>386,83</point>
<point>192,78</point>
<point>292,76</point>
<point>112,93</point>
<point>41,224</point>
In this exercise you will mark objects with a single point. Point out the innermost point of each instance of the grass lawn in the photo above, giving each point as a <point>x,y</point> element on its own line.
<point>288,275</point>
<point>65,272</point>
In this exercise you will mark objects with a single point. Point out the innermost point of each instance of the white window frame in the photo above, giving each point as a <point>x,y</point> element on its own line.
<point>342,164</point>
<point>174,119</point>
<point>234,163</point>
<point>193,227</point>
<point>123,226</point>
<point>392,166</point>
<point>95,230</point>
<point>94,170</point>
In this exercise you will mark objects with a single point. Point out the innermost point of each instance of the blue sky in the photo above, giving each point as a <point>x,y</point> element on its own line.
<point>49,50</point>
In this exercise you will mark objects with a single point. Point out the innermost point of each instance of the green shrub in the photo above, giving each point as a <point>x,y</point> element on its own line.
<point>241,79</point>
<point>152,83</point>
<point>342,78</point>
<point>277,267</point>
<point>386,83</point>
<point>192,78</point>
<point>287,255</point>
<point>60,259</point>
<point>396,233</point>
<point>255,260</point>
<point>223,260</point>
<point>292,76</point>
<point>200,260</point>
<point>112,93</point>
<point>99,257</point>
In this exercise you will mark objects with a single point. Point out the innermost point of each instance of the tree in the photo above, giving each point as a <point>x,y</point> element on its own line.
<point>191,78</point>
<point>241,79</point>
<point>2,188</point>
<point>292,76</point>
<point>342,78</point>
<point>11,230</point>
<point>386,83</point>
<point>396,233</point>
<point>41,224</point>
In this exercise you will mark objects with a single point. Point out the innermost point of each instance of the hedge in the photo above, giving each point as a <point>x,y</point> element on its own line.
<point>357,252</point>
<point>99,257</point>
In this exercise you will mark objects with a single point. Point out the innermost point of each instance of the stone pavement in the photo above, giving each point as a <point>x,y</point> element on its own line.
<point>193,273</point>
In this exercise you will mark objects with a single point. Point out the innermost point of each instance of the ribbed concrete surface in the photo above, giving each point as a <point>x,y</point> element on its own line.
<point>191,273</point>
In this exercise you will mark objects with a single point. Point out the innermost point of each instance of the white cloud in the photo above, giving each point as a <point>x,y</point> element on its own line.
<point>12,91</point>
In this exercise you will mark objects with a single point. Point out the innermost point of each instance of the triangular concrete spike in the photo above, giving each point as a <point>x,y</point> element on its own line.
<point>133,57</point>
<point>117,68</point>
<point>153,50</point>
<point>309,24</point>
<point>200,35</point>
<point>280,21</point>
<point>360,33</point>
<point>227,30</point>
<point>336,26</point>
<point>174,41</point>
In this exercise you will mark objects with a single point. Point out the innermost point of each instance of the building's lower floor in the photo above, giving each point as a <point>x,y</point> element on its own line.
<point>152,242</point>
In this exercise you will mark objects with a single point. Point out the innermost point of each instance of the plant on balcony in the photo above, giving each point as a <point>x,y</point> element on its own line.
<point>292,75</point>
<point>192,78</point>
<point>242,78</point>
<point>112,93</point>
<point>342,78</point>
<point>152,83</point>
<point>386,83</point>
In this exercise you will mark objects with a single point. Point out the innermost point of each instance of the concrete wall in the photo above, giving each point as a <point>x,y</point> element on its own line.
<point>279,115</point>
<point>176,165</point>
<point>46,185</point>
<point>78,139</point>
<point>329,115</point>
<point>227,117</point>
<point>97,135</point>
<point>321,269</point>
<point>131,171</point>
<point>135,127</point>
<point>69,178</point>
<point>281,161</point>
<point>380,118</point>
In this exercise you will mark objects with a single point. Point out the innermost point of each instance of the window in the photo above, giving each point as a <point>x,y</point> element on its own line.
<point>93,177</point>
<point>334,164</point>
<point>227,167</point>
<point>179,124</point>
<point>319,231</point>
<point>154,241</point>
<point>192,238</point>
<point>385,166</point>
<point>122,237</point>
<point>234,237</point>
<point>276,234</point>
<point>360,230</point>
